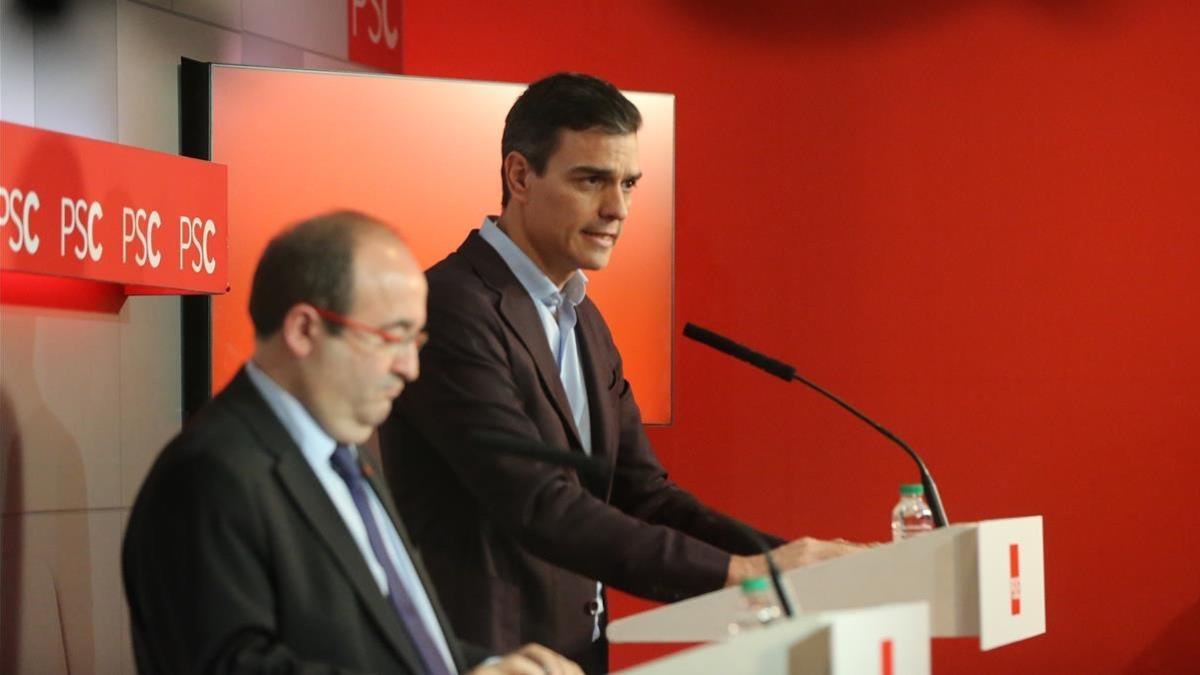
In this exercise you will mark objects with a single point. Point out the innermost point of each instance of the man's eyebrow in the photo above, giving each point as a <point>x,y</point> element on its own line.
<point>585,170</point>
<point>405,324</point>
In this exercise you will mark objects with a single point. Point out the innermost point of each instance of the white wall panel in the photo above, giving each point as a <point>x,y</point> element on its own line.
<point>226,13</point>
<point>62,592</point>
<point>128,664</point>
<point>75,70</point>
<point>61,371</point>
<point>151,401</point>
<point>316,25</point>
<point>314,61</point>
<point>150,43</point>
<point>261,51</point>
<point>16,65</point>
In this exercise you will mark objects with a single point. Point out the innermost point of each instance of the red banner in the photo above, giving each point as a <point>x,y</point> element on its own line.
<point>85,209</point>
<point>374,32</point>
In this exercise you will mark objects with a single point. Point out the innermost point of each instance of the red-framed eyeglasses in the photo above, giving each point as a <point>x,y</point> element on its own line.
<point>388,339</point>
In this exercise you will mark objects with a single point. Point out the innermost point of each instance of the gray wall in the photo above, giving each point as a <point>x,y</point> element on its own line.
<point>88,398</point>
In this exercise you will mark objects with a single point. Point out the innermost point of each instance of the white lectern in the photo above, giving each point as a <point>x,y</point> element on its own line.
<point>884,640</point>
<point>982,579</point>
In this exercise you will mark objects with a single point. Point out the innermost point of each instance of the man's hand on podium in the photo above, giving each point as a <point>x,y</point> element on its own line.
<point>798,553</point>
<point>532,659</point>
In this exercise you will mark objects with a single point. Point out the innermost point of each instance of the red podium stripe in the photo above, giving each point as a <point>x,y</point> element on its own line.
<point>1014,573</point>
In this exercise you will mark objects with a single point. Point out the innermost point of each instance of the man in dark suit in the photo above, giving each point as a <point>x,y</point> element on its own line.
<point>518,349</point>
<point>262,540</point>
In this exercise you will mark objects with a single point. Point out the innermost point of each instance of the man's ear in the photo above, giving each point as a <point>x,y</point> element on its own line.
<point>517,173</point>
<point>301,325</point>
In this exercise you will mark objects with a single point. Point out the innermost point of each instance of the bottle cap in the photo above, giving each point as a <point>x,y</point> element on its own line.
<point>754,584</point>
<point>912,489</point>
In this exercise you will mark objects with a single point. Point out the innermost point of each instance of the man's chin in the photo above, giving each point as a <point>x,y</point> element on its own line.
<point>595,263</point>
<point>377,417</point>
<point>357,435</point>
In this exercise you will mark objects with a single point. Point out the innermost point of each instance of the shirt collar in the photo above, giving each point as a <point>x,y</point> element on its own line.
<point>315,444</point>
<point>535,281</point>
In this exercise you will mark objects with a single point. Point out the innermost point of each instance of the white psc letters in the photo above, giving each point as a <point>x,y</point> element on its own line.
<point>382,31</point>
<point>18,208</point>
<point>81,224</point>
<point>197,232</point>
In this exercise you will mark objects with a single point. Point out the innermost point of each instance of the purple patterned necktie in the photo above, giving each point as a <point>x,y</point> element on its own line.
<point>348,468</point>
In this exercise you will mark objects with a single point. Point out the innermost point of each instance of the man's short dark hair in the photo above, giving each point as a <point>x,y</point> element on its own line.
<point>311,262</point>
<point>562,101</point>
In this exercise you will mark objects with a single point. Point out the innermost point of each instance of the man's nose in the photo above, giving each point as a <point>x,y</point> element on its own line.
<point>616,203</point>
<point>406,362</point>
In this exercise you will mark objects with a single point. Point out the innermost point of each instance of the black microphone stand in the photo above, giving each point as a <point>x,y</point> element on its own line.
<point>935,500</point>
<point>786,372</point>
<point>785,601</point>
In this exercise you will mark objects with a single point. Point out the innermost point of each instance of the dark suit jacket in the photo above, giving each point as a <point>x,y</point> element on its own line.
<point>236,561</point>
<point>515,546</point>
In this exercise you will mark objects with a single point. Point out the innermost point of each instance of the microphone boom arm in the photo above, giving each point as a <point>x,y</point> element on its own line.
<point>786,372</point>
<point>935,500</point>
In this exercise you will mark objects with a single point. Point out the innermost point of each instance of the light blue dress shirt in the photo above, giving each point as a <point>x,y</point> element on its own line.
<point>317,448</point>
<point>557,311</point>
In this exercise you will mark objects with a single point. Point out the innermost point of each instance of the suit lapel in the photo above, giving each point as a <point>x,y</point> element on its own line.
<point>313,503</point>
<point>598,375</point>
<point>518,311</point>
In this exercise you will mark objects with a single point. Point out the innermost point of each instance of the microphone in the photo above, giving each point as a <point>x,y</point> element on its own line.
<point>786,372</point>
<point>596,469</point>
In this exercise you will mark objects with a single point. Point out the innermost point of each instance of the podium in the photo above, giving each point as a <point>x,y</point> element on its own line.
<point>889,640</point>
<point>985,579</point>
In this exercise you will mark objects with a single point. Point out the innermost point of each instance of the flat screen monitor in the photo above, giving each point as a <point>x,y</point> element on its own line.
<point>422,154</point>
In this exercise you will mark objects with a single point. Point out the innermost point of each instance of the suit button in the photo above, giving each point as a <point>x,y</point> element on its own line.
<point>591,607</point>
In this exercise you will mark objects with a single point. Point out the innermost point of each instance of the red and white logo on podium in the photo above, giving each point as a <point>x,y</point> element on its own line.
<point>1014,577</point>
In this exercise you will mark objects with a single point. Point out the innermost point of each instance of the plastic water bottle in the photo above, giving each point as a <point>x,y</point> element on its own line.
<point>758,606</point>
<point>912,515</point>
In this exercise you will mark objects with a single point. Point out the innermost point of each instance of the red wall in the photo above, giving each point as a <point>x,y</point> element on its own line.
<point>976,220</point>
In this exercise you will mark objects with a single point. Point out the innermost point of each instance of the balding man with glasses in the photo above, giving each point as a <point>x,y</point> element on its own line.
<point>262,539</point>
